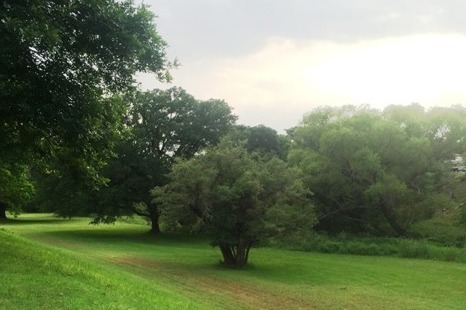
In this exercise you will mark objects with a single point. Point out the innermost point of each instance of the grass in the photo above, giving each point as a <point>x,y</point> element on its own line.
<point>67,264</point>
<point>38,277</point>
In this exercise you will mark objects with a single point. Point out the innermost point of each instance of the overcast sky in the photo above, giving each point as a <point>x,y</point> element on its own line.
<point>273,61</point>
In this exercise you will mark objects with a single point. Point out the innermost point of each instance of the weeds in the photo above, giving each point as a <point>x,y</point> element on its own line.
<point>372,246</point>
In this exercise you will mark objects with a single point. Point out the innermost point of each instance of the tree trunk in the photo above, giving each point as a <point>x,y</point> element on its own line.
<point>227,253</point>
<point>2,211</point>
<point>155,227</point>
<point>235,255</point>
<point>391,219</point>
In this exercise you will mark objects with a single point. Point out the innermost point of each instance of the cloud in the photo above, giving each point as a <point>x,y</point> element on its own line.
<point>288,77</point>
<point>207,28</point>
<point>274,60</point>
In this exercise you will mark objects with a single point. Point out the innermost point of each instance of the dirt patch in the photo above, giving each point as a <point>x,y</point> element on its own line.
<point>225,293</point>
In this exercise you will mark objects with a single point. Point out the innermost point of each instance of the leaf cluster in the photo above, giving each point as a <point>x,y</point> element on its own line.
<point>232,195</point>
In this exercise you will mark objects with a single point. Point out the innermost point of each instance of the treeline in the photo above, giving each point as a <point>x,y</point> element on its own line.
<point>183,164</point>
<point>79,138</point>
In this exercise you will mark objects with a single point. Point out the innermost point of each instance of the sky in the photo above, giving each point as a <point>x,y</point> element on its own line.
<point>273,61</point>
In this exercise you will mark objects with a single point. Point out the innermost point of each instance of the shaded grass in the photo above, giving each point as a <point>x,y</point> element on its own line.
<point>277,279</point>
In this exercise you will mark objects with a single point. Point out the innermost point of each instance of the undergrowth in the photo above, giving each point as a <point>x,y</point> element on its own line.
<point>376,246</point>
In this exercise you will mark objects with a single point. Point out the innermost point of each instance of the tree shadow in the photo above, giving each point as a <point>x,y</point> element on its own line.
<point>138,236</point>
<point>19,221</point>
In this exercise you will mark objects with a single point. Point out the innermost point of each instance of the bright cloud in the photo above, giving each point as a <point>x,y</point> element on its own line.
<point>287,78</point>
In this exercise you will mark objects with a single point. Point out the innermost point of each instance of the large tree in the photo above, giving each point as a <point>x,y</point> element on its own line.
<point>63,67</point>
<point>236,198</point>
<point>375,171</point>
<point>163,125</point>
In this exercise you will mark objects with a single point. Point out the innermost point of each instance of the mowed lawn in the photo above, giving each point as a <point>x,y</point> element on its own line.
<point>50,263</point>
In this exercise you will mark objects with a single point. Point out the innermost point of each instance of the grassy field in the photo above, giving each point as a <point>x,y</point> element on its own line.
<point>48,263</point>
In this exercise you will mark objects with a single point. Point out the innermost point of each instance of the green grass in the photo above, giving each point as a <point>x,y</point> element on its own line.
<point>68,264</point>
<point>38,277</point>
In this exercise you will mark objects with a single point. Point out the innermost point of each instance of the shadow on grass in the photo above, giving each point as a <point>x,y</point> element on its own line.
<point>19,221</point>
<point>140,235</point>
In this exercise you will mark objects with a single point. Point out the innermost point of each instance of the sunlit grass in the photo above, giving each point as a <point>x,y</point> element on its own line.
<point>186,270</point>
<point>38,277</point>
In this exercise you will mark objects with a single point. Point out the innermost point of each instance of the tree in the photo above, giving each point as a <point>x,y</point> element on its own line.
<point>373,171</point>
<point>63,67</point>
<point>263,140</point>
<point>163,125</point>
<point>16,189</point>
<point>236,198</point>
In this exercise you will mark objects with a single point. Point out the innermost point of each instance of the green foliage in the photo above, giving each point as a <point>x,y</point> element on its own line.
<point>377,172</point>
<point>443,228</point>
<point>163,125</point>
<point>62,194</point>
<point>236,199</point>
<point>377,246</point>
<point>16,189</point>
<point>262,140</point>
<point>63,68</point>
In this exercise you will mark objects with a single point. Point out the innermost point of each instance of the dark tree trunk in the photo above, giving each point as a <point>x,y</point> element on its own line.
<point>2,211</point>
<point>227,253</point>
<point>235,255</point>
<point>152,214</point>
<point>391,219</point>
<point>154,219</point>
<point>155,227</point>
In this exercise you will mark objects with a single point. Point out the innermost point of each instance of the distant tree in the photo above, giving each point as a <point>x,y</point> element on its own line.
<point>163,125</point>
<point>374,171</point>
<point>263,140</point>
<point>16,188</point>
<point>445,127</point>
<point>236,199</point>
<point>63,67</point>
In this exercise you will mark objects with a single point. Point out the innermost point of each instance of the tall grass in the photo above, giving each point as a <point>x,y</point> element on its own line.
<point>373,246</point>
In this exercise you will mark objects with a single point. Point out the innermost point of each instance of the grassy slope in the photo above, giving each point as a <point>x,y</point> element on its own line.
<point>134,270</point>
<point>37,277</point>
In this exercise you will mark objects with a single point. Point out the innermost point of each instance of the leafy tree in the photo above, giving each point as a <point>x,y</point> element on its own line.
<point>236,198</point>
<point>445,127</point>
<point>263,140</point>
<point>63,65</point>
<point>16,189</point>
<point>373,171</point>
<point>61,193</point>
<point>164,125</point>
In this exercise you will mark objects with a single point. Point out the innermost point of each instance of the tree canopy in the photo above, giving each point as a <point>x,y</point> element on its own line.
<point>61,62</point>
<point>162,125</point>
<point>64,66</point>
<point>16,188</point>
<point>236,198</point>
<point>375,171</point>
